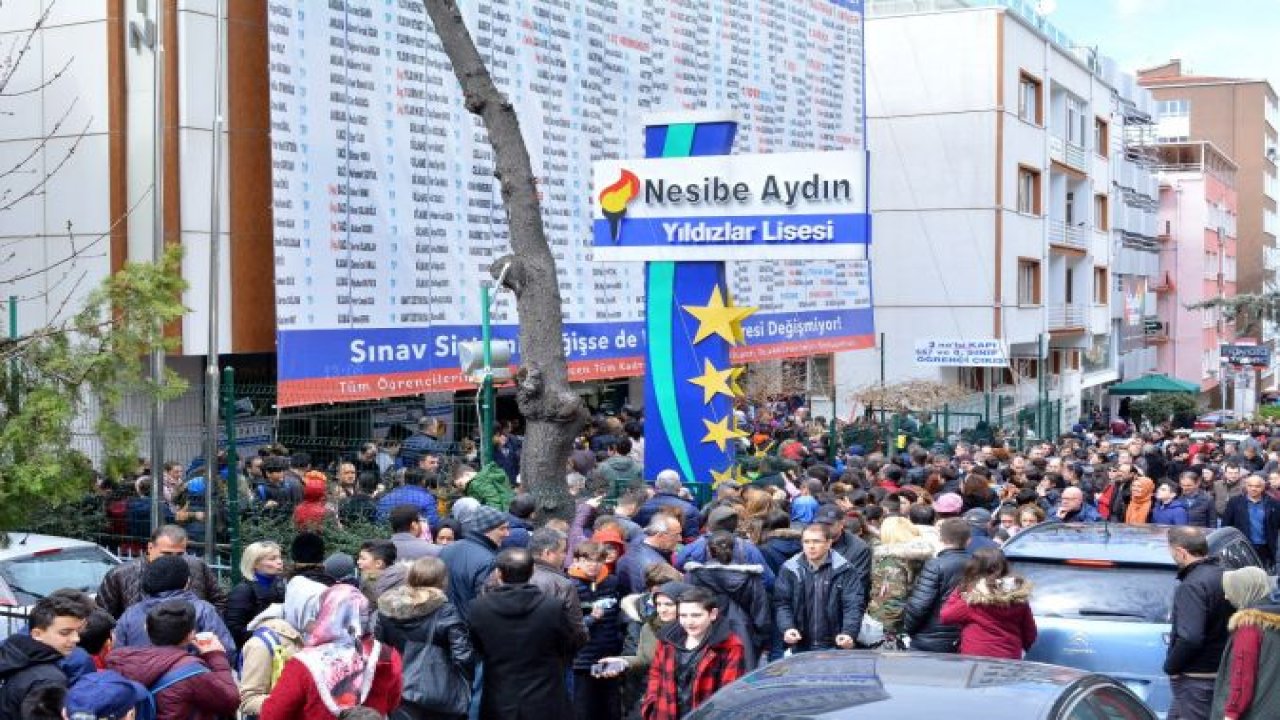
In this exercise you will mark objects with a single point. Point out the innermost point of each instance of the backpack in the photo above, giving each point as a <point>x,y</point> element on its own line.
<point>147,710</point>
<point>275,648</point>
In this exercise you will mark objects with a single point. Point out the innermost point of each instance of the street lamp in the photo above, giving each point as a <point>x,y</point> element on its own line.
<point>484,362</point>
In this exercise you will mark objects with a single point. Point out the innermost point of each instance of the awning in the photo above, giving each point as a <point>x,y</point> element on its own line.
<point>1150,384</point>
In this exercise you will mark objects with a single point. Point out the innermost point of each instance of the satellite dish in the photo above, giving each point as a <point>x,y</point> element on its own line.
<point>471,360</point>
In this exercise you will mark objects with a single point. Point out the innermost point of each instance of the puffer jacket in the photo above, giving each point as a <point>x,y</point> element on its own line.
<point>994,618</point>
<point>893,573</point>
<point>247,601</point>
<point>470,562</point>
<point>744,602</point>
<point>1248,684</point>
<point>779,546</point>
<point>844,607</point>
<point>622,474</point>
<point>256,665</point>
<point>131,631</point>
<point>26,665</point>
<point>409,616</point>
<point>122,587</point>
<point>210,695</point>
<point>604,634</point>
<point>938,578</point>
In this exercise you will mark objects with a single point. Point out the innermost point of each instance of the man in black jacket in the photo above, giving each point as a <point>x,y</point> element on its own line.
<point>122,587</point>
<point>850,546</point>
<point>526,642</point>
<point>30,662</point>
<point>1200,509</point>
<point>938,578</point>
<point>1257,517</point>
<point>818,599</point>
<point>1199,633</point>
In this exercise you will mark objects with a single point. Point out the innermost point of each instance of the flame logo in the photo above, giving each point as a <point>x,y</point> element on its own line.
<point>615,198</point>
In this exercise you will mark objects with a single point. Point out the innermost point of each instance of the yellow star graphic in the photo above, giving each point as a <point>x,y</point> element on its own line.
<point>719,432</point>
<point>713,382</point>
<point>717,318</point>
<point>733,381</point>
<point>727,476</point>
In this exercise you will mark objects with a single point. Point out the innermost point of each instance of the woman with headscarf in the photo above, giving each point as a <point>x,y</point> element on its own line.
<point>1248,685</point>
<point>1141,499</point>
<point>341,666</point>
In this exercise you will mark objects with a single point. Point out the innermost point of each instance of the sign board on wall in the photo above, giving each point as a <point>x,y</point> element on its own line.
<point>1255,355</point>
<point>797,206</point>
<point>387,214</point>
<point>961,353</point>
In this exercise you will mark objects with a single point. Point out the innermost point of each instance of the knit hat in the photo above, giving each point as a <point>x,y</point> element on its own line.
<point>673,589</point>
<point>978,517</point>
<point>307,549</point>
<point>339,566</point>
<point>1246,586</point>
<point>485,519</point>
<point>104,695</point>
<point>717,518</point>
<point>463,508</point>
<point>948,503</point>
<point>167,572</point>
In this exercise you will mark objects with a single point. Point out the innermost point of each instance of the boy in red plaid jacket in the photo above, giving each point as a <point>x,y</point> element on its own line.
<point>694,658</point>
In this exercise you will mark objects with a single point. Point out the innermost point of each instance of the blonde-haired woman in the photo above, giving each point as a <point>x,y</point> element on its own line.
<point>896,562</point>
<point>262,568</point>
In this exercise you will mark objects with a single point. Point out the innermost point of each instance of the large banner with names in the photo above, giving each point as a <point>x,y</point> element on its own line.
<point>387,214</point>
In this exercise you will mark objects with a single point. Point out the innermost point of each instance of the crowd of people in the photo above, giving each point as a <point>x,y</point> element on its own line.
<point>644,603</point>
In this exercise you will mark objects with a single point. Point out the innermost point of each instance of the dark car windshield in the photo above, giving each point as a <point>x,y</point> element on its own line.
<point>35,576</point>
<point>1107,593</point>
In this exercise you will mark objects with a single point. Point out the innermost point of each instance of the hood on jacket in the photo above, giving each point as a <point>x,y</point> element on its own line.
<point>918,549</point>
<point>619,463</point>
<point>21,651</point>
<point>838,562</point>
<point>1008,590</point>
<point>408,603</point>
<point>1266,617</point>
<point>514,601</point>
<point>675,634</point>
<point>145,665</point>
<point>634,607</point>
<point>727,579</point>
<point>281,628</point>
<point>314,486</point>
<point>783,535</point>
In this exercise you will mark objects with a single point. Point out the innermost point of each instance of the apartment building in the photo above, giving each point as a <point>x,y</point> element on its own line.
<point>1198,259</point>
<point>1241,118</point>
<point>1004,191</point>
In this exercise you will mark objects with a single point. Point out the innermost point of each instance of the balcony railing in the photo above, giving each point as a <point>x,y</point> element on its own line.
<point>1068,153</point>
<point>1060,233</point>
<point>1067,316</point>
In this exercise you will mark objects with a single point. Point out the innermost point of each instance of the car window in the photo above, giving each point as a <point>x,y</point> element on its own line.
<point>1108,703</point>
<point>1109,593</point>
<point>1237,554</point>
<point>35,576</point>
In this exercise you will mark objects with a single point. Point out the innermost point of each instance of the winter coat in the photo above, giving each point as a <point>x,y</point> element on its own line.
<point>122,587</point>
<point>414,495</point>
<point>1199,624</point>
<point>256,664</point>
<point>745,552</point>
<point>744,601</point>
<point>410,548</point>
<point>845,600</point>
<point>605,634</point>
<point>1237,516</point>
<point>994,618</point>
<point>409,616</point>
<point>470,563</point>
<point>311,513</point>
<point>688,526</point>
<point>507,459</point>
<point>26,664</point>
<point>246,601</point>
<point>631,568</point>
<point>1200,509</point>
<point>893,573</point>
<point>938,578</point>
<point>521,531</point>
<point>1222,494</point>
<point>510,625</point>
<point>858,553</point>
<point>131,631</point>
<point>1173,512</point>
<point>492,487</point>
<point>722,662</point>
<point>1248,685</point>
<point>641,637</point>
<point>554,582</point>
<point>295,696</point>
<point>622,474</point>
<point>209,695</point>
<point>780,546</point>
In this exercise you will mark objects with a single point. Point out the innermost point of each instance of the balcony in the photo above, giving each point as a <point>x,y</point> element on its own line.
<point>1072,236</point>
<point>1065,316</point>
<point>1271,258</point>
<point>1069,154</point>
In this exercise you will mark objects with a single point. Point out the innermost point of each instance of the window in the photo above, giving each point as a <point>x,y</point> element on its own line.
<point>1029,99</point>
<point>1071,208</point>
<point>1028,190</point>
<point>1028,282</point>
<point>1107,703</point>
<point>1101,137</point>
<point>1075,121</point>
<point>1100,286</point>
<point>1173,108</point>
<point>1101,220</point>
<point>1069,288</point>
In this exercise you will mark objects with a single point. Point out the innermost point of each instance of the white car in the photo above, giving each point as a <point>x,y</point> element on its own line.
<point>32,566</point>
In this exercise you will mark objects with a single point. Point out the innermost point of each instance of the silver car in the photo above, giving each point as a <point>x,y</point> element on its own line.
<point>32,566</point>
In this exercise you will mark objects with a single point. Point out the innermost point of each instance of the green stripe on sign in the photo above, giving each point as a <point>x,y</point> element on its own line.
<point>662,277</point>
<point>679,142</point>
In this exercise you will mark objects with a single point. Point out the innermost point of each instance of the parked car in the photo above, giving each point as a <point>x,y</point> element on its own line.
<point>870,685</point>
<point>1103,596</point>
<point>32,566</point>
<point>1215,419</point>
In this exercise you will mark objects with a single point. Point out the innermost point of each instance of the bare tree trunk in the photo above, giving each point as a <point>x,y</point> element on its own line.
<point>553,412</point>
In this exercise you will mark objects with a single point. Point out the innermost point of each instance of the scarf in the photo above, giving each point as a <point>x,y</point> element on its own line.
<point>340,658</point>
<point>1139,510</point>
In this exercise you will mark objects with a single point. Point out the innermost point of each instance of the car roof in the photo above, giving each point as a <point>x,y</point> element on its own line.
<point>872,685</point>
<point>21,544</point>
<point>1116,542</point>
